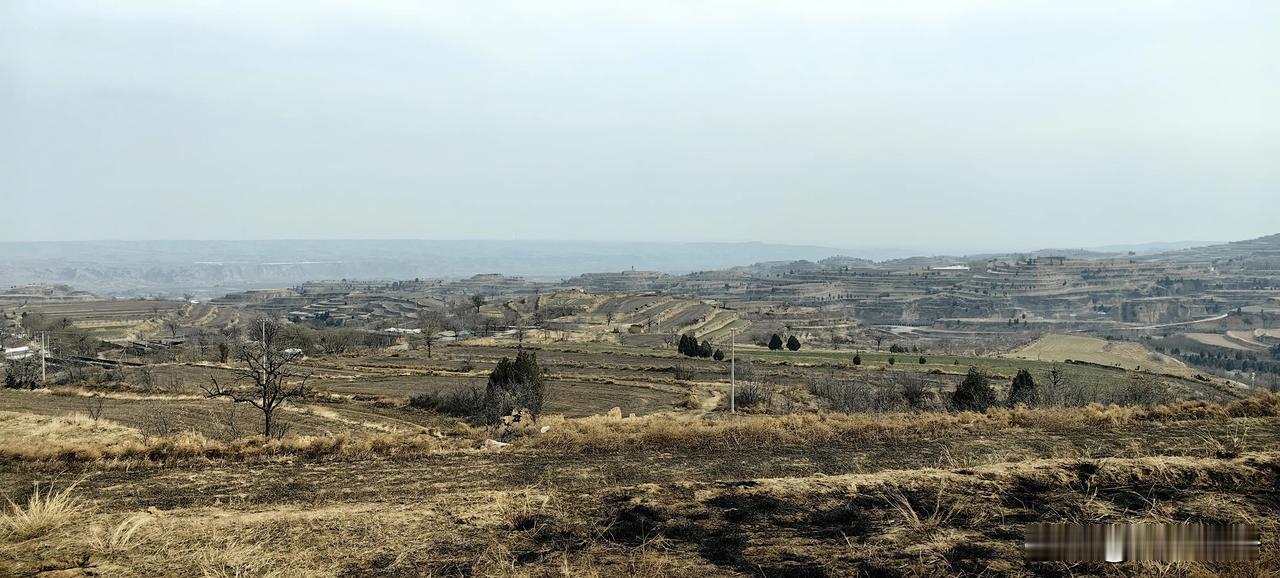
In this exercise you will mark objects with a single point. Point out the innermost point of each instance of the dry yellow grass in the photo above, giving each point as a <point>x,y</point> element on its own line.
<point>600,434</point>
<point>119,538</point>
<point>38,434</point>
<point>897,522</point>
<point>78,438</point>
<point>42,512</point>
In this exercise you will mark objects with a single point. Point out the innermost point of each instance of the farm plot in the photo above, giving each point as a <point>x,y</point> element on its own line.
<point>162,415</point>
<point>119,311</point>
<point>624,308</point>
<point>1248,338</point>
<point>1094,350</point>
<point>1219,340</point>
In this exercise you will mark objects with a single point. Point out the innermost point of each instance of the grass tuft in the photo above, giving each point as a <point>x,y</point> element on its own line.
<point>120,538</point>
<point>43,512</point>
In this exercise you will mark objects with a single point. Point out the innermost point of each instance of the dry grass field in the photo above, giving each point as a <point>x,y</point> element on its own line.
<point>1124,354</point>
<point>142,475</point>
<point>881,495</point>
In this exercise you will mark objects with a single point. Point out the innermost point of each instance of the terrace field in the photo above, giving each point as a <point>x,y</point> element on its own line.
<point>1124,354</point>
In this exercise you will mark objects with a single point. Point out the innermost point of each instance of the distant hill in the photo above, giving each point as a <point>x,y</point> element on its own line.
<point>174,267</point>
<point>141,267</point>
<point>1262,253</point>
<point>1149,248</point>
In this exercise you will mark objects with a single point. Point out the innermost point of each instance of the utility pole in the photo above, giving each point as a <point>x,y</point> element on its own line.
<point>44,353</point>
<point>733,383</point>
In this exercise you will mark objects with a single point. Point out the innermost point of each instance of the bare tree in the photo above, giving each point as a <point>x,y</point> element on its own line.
<point>430,324</point>
<point>156,422</point>
<point>510,316</point>
<point>268,378</point>
<point>229,429</point>
<point>174,325</point>
<point>339,341</point>
<point>95,405</point>
<point>146,377</point>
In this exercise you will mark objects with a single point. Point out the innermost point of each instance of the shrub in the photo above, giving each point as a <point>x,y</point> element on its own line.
<point>750,394</point>
<point>857,359</point>
<point>1062,389</point>
<point>1023,389</point>
<point>892,361</point>
<point>923,360</point>
<point>849,396</point>
<point>462,402</point>
<point>514,385</point>
<point>718,355</point>
<point>1143,392</point>
<point>22,373</point>
<point>682,371</point>
<point>915,393</point>
<point>687,345</point>
<point>974,393</point>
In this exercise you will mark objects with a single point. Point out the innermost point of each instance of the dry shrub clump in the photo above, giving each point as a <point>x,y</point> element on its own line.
<point>42,512</point>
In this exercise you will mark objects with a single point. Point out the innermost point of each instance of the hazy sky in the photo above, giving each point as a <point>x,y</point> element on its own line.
<point>940,125</point>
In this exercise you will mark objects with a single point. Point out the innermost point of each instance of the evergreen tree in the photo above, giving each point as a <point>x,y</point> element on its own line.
<point>775,343</point>
<point>704,350</point>
<point>923,360</point>
<point>513,385</point>
<point>689,346</point>
<point>1023,389</point>
<point>974,393</point>
<point>793,344</point>
<point>718,355</point>
<point>892,361</point>
<point>857,359</point>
